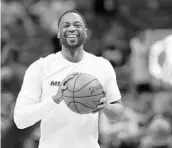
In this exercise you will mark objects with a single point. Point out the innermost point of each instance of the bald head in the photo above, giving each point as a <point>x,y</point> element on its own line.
<point>72,31</point>
<point>73,12</point>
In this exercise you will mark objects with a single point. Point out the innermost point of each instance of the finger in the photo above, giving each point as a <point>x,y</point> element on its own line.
<point>69,77</point>
<point>61,98</point>
<point>103,100</point>
<point>95,111</point>
<point>75,73</point>
<point>57,99</point>
<point>63,87</point>
<point>101,106</point>
<point>72,75</point>
<point>66,80</point>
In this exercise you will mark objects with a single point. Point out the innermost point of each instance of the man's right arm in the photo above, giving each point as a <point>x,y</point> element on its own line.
<point>29,109</point>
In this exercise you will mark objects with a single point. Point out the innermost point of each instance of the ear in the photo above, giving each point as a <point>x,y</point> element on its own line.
<point>87,32</point>
<point>58,33</point>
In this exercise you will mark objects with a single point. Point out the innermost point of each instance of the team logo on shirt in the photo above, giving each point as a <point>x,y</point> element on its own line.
<point>54,83</point>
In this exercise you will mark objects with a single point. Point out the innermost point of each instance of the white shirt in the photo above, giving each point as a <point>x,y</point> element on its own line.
<point>60,127</point>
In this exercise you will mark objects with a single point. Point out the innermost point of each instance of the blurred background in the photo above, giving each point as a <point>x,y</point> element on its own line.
<point>134,35</point>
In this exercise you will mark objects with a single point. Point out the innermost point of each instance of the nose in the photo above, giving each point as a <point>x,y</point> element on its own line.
<point>71,28</point>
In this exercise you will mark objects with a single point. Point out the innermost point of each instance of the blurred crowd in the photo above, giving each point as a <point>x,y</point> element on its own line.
<point>135,36</point>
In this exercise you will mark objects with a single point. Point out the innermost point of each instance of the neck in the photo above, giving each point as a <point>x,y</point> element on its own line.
<point>73,55</point>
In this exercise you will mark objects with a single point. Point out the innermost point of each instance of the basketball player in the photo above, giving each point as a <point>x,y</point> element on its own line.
<point>40,97</point>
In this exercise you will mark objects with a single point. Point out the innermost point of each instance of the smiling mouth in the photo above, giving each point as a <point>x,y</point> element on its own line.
<point>72,36</point>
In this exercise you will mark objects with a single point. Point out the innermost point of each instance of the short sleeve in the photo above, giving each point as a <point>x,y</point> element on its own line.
<point>31,87</point>
<point>111,86</point>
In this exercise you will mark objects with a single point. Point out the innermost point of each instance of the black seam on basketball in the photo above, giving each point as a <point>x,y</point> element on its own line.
<point>69,89</point>
<point>74,93</point>
<point>82,96</point>
<point>81,104</point>
<point>85,85</point>
<point>81,87</point>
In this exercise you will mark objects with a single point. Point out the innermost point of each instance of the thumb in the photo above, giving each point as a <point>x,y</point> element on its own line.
<point>63,87</point>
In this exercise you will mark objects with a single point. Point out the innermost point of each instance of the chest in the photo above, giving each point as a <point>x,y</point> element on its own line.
<point>52,81</point>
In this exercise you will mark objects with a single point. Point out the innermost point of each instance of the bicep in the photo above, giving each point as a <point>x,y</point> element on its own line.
<point>23,101</point>
<point>31,88</point>
<point>112,91</point>
<point>111,86</point>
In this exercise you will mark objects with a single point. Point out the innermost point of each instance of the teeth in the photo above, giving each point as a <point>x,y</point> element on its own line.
<point>72,36</point>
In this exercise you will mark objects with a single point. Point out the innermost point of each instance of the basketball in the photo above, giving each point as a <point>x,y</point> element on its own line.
<point>83,93</point>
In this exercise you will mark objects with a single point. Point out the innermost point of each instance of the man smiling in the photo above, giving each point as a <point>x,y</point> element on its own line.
<point>39,100</point>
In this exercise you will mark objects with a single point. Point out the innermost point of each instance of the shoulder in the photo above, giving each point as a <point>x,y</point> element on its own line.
<point>102,64</point>
<point>157,44</point>
<point>97,59</point>
<point>42,62</point>
<point>168,38</point>
<point>48,59</point>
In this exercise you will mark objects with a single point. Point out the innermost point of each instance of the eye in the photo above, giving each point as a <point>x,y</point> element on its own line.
<point>65,25</point>
<point>78,25</point>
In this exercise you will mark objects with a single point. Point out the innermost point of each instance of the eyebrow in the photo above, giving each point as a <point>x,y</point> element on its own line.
<point>73,22</point>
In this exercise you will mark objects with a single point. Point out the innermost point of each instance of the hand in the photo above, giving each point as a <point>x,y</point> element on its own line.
<point>102,105</point>
<point>59,97</point>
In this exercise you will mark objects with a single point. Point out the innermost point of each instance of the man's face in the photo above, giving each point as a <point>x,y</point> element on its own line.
<point>72,31</point>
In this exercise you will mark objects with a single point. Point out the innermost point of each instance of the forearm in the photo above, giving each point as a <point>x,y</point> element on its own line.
<point>114,112</point>
<point>28,115</point>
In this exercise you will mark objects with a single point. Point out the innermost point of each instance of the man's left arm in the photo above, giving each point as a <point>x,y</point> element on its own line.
<point>113,110</point>
<point>111,105</point>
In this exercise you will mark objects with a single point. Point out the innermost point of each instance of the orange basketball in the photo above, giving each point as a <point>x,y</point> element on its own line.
<point>83,93</point>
